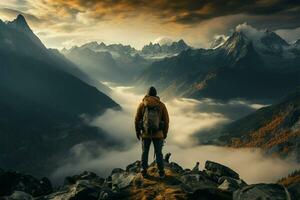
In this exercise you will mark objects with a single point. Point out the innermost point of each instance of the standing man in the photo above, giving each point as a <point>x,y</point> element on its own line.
<point>151,125</point>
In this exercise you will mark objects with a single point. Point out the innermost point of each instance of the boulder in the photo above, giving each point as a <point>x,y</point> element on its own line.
<point>196,167</point>
<point>81,190</point>
<point>217,170</point>
<point>90,176</point>
<point>19,195</point>
<point>106,194</point>
<point>262,191</point>
<point>175,167</point>
<point>134,167</point>
<point>11,181</point>
<point>116,170</point>
<point>123,179</point>
<point>230,184</point>
<point>194,182</point>
<point>210,194</point>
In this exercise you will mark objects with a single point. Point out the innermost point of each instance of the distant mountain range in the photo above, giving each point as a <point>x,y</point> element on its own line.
<point>43,99</point>
<point>259,66</point>
<point>157,51</point>
<point>114,63</point>
<point>117,62</point>
<point>275,129</point>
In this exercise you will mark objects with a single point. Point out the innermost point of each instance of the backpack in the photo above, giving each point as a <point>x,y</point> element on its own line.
<point>151,119</point>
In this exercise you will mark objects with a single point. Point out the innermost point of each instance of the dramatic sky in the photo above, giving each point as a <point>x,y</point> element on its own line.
<point>62,23</point>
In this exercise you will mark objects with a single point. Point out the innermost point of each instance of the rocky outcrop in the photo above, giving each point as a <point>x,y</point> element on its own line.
<point>16,183</point>
<point>262,191</point>
<point>215,181</point>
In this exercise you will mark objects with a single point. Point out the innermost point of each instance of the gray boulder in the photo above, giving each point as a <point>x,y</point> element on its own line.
<point>194,182</point>
<point>216,170</point>
<point>230,184</point>
<point>262,192</point>
<point>175,167</point>
<point>122,180</point>
<point>134,167</point>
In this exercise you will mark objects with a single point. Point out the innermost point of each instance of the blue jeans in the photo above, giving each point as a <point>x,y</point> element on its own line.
<point>158,144</point>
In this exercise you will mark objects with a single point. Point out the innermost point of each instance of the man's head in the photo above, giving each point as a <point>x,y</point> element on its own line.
<point>152,91</point>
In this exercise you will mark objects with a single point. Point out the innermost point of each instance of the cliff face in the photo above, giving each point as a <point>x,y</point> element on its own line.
<point>215,181</point>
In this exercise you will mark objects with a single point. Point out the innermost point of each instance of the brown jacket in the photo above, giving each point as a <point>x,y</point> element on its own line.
<point>152,101</point>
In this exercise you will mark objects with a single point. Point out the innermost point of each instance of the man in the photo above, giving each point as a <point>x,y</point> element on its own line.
<point>152,124</point>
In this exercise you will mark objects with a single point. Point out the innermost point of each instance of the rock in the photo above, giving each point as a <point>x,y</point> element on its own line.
<point>167,157</point>
<point>216,182</point>
<point>175,167</point>
<point>134,167</point>
<point>197,181</point>
<point>210,194</point>
<point>86,192</point>
<point>262,191</point>
<point>82,189</point>
<point>196,168</point>
<point>106,194</point>
<point>19,195</point>
<point>218,170</point>
<point>90,176</point>
<point>122,180</point>
<point>230,184</point>
<point>11,181</point>
<point>116,170</point>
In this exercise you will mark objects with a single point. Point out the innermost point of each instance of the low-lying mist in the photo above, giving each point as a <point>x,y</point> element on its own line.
<point>187,117</point>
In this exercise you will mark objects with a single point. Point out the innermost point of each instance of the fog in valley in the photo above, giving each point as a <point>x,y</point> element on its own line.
<point>187,117</point>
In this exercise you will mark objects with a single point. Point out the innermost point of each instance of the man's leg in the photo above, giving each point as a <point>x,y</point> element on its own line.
<point>145,152</point>
<point>158,144</point>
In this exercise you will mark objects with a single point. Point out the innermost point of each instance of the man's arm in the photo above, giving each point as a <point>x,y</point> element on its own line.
<point>138,118</point>
<point>165,118</point>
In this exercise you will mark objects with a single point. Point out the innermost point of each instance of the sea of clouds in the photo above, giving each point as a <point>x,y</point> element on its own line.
<point>187,117</point>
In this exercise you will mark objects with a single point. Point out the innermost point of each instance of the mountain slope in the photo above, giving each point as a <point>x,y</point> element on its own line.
<point>42,102</point>
<point>275,128</point>
<point>262,67</point>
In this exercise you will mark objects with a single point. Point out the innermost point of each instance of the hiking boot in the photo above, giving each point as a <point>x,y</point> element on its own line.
<point>161,174</point>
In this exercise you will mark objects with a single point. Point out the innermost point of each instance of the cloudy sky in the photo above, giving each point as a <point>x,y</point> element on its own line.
<point>63,23</point>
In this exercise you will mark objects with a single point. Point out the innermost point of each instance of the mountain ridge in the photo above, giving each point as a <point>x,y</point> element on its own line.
<point>43,103</point>
<point>234,65</point>
<point>275,129</point>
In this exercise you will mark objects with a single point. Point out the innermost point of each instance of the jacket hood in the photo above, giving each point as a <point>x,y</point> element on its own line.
<point>151,100</point>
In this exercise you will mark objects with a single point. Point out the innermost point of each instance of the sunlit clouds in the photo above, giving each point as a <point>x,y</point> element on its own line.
<point>64,23</point>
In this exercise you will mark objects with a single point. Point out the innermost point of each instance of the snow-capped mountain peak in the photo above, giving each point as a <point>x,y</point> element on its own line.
<point>163,41</point>
<point>262,40</point>
<point>218,41</point>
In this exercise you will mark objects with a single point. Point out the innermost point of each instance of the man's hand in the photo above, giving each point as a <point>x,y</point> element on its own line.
<point>138,135</point>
